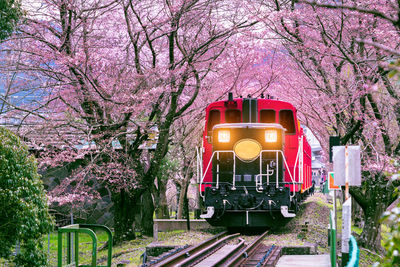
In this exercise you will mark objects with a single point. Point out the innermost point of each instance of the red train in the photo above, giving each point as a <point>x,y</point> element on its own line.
<point>256,162</point>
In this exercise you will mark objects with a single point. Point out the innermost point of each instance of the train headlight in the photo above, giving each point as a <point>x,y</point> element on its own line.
<point>247,149</point>
<point>271,136</point>
<point>224,136</point>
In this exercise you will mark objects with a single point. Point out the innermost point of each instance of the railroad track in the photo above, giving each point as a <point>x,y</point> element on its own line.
<point>225,250</point>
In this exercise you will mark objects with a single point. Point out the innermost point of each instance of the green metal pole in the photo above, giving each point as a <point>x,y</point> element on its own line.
<point>76,248</point>
<point>59,253</point>
<point>94,251</point>
<point>110,243</point>
<point>69,248</point>
<point>333,247</point>
<point>94,241</point>
<point>92,227</point>
<point>332,240</point>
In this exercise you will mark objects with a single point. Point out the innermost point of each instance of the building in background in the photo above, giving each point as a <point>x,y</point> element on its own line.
<point>317,164</point>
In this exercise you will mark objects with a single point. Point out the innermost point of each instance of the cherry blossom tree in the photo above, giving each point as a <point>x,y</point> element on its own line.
<point>107,73</point>
<point>345,87</point>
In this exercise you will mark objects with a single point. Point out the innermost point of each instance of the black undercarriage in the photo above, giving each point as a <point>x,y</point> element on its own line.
<point>252,219</point>
<point>248,206</point>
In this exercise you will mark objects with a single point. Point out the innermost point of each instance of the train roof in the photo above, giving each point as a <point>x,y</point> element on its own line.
<point>271,103</point>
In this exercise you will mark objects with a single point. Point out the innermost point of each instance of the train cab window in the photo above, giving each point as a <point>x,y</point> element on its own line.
<point>286,119</point>
<point>233,116</point>
<point>214,117</point>
<point>267,116</point>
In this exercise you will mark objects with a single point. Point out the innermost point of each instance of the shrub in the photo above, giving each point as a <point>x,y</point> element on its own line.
<point>392,244</point>
<point>23,203</point>
<point>392,219</point>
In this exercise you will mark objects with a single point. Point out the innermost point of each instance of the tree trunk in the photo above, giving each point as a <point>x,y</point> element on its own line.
<point>160,200</point>
<point>181,203</point>
<point>357,214</point>
<point>178,197</point>
<point>124,216</point>
<point>147,211</point>
<point>374,196</point>
<point>186,207</point>
<point>371,234</point>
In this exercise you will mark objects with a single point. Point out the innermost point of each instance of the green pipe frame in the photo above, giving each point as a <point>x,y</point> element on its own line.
<point>89,229</point>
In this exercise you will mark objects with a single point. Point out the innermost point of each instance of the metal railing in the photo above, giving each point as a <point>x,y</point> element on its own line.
<point>77,229</point>
<point>298,167</point>
<point>354,253</point>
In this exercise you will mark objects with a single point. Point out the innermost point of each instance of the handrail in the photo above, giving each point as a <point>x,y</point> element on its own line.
<point>209,163</point>
<point>297,164</point>
<point>86,229</point>
<point>354,253</point>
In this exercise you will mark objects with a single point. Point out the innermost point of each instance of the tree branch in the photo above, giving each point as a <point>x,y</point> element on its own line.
<point>354,8</point>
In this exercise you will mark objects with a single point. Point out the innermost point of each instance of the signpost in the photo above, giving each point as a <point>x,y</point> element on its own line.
<point>347,165</point>
<point>333,187</point>
<point>347,169</point>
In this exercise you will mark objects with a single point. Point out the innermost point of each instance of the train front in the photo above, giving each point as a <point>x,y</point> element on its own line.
<point>248,188</point>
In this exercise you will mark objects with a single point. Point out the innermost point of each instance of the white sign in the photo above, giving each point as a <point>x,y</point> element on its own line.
<point>349,165</point>
<point>346,225</point>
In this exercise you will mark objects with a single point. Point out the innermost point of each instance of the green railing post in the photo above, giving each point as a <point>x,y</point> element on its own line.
<point>94,245</point>
<point>84,229</point>
<point>109,234</point>
<point>59,252</point>
<point>332,238</point>
<point>69,248</point>
<point>76,235</point>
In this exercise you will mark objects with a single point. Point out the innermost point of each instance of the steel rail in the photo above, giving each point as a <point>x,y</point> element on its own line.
<point>249,250</point>
<point>205,251</point>
<point>183,254</point>
<point>230,254</point>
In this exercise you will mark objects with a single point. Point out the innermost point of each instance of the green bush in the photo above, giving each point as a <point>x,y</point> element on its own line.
<point>10,14</point>
<point>23,203</point>
<point>392,219</point>
<point>392,244</point>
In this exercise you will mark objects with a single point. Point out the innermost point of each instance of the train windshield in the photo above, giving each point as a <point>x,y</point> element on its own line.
<point>267,116</point>
<point>214,117</point>
<point>233,116</point>
<point>286,119</point>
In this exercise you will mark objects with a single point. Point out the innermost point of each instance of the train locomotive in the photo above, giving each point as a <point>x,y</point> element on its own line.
<point>256,162</point>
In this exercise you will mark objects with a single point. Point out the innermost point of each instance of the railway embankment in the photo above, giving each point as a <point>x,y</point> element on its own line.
<point>307,233</point>
<point>308,229</point>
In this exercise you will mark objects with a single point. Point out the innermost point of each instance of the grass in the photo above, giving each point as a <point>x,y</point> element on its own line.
<point>128,251</point>
<point>367,257</point>
<point>314,211</point>
<point>85,247</point>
